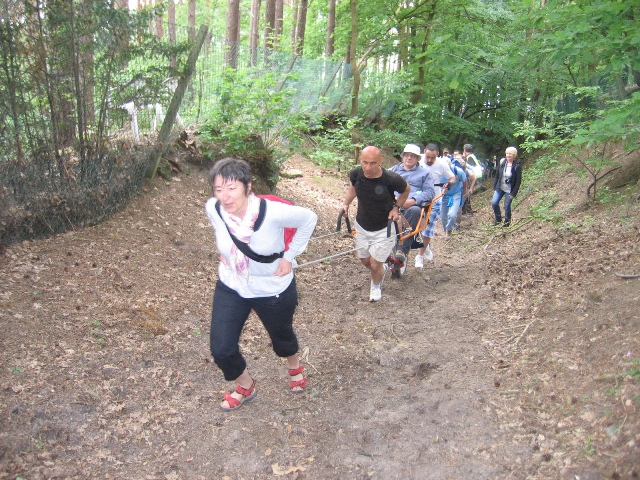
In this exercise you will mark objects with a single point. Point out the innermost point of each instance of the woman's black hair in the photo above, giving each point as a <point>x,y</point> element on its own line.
<point>230,169</point>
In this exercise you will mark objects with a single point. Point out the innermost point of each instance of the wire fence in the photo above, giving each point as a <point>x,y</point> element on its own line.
<point>36,200</point>
<point>68,154</point>
<point>322,85</point>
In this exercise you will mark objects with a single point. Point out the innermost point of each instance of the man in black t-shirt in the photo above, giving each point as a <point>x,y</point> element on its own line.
<point>374,187</point>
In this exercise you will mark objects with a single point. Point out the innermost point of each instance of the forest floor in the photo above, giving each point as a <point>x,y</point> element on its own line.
<point>515,354</point>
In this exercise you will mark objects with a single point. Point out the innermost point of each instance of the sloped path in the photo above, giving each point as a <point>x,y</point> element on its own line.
<point>106,371</point>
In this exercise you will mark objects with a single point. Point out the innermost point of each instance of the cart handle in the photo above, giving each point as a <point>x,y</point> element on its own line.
<point>341,216</point>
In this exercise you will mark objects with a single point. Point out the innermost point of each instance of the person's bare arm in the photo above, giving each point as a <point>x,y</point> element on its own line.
<point>351,194</point>
<point>473,182</point>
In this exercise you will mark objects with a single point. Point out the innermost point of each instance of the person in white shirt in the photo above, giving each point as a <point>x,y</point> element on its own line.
<point>265,285</point>
<point>439,169</point>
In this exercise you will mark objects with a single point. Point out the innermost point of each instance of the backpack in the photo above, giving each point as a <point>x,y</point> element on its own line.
<point>245,248</point>
<point>455,169</point>
<point>288,232</point>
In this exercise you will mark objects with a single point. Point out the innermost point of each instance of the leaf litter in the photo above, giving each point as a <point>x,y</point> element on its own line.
<point>511,355</point>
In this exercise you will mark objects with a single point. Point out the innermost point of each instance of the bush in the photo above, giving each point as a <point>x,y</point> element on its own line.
<point>334,148</point>
<point>253,121</point>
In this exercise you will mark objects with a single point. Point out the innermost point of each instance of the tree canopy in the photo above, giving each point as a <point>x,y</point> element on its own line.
<point>489,72</point>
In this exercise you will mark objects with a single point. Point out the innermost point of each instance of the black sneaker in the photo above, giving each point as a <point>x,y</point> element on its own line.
<point>506,223</point>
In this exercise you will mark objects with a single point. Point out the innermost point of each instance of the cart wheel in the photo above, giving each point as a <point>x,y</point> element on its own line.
<point>398,264</point>
<point>402,263</point>
<point>395,272</point>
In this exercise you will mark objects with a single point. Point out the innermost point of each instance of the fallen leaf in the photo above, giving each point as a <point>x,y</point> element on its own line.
<point>278,470</point>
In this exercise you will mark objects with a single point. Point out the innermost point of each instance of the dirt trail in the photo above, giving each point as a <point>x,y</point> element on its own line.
<point>504,358</point>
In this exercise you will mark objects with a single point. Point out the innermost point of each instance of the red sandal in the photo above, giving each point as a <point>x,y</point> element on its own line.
<point>234,403</point>
<point>297,383</point>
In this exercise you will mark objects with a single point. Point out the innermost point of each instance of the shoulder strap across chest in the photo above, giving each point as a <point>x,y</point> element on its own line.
<point>244,247</point>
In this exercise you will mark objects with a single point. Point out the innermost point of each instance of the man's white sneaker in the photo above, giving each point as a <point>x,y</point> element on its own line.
<point>419,261</point>
<point>375,294</point>
<point>428,253</point>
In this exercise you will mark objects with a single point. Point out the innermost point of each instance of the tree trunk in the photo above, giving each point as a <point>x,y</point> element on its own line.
<point>10,65</point>
<point>403,48</point>
<point>294,23</point>
<point>176,100</point>
<point>331,27</point>
<point>269,27</point>
<point>346,72</point>
<point>159,28</point>
<point>192,20</point>
<point>422,61</point>
<point>88,82</point>
<point>269,24</point>
<point>59,35</point>
<point>254,32</point>
<point>279,12</point>
<point>233,31</point>
<point>171,14</point>
<point>301,26</point>
<point>81,119</point>
<point>355,71</point>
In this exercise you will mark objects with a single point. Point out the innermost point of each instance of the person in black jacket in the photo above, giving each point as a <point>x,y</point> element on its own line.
<point>506,184</point>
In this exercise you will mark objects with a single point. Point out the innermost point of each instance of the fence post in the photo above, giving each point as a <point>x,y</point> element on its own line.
<point>174,106</point>
<point>288,68</point>
<point>329,81</point>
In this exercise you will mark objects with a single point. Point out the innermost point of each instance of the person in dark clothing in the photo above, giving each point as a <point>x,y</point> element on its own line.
<point>506,184</point>
<point>374,188</point>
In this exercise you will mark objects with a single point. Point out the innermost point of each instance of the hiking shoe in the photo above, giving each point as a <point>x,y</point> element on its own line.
<point>428,254</point>
<point>375,294</point>
<point>506,223</point>
<point>418,262</point>
<point>496,223</point>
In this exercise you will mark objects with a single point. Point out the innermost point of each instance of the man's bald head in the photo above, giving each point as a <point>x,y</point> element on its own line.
<point>371,150</point>
<point>371,161</point>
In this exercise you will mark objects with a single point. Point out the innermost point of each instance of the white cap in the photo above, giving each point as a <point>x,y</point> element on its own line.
<point>411,148</point>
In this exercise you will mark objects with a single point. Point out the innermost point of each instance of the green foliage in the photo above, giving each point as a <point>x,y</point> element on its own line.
<point>542,168</point>
<point>413,121</point>
<point>335,147</point>
<point>536,136</point>
<point>589,448</point>
<point>585,63</point>
<point>601,34</point>
<point>66,67</point>
<point>634,371</point>
<point>253,121</point>
<point>606,195</point>
<point>542,211</point>
<point>620,122</point>
<point>387,138</point>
